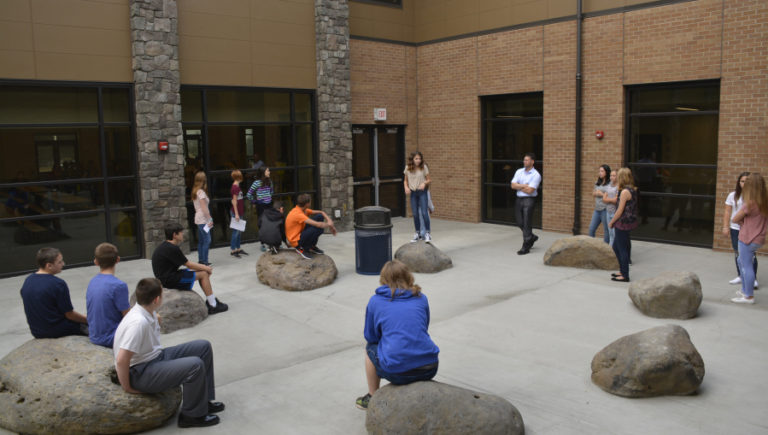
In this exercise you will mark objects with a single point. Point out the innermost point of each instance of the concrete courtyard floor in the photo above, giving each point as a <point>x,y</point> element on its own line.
<point>292,363</point>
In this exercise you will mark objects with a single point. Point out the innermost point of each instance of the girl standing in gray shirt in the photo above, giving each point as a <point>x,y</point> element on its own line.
<point>600,214</point>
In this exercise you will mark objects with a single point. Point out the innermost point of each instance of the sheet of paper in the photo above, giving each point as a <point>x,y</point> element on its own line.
<point>207,229</point>
<point>237,225</point>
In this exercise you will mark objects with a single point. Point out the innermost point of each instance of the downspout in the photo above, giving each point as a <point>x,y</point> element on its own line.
<point>577,170</point>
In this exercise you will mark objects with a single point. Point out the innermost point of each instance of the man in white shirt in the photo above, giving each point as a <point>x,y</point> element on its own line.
<point>526,182</point>
<point>144,366</point>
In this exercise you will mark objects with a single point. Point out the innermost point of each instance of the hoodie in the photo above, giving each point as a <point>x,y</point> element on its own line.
<point>399,328</point>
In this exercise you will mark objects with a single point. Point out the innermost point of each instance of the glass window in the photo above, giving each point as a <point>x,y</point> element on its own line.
<point>672,151</point>
<point>249,106</point>
<point>192,105</point>
<point>304,145</point>
<point>120,158</point>
<point>116,105</point>
<point>46,105</point>
<point>513,126</point>
<point>303,106</point>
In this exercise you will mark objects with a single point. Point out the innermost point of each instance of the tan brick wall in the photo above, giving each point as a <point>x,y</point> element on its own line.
<point>706,39</point>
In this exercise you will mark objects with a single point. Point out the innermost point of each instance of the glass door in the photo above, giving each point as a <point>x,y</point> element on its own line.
<point>378,154</point>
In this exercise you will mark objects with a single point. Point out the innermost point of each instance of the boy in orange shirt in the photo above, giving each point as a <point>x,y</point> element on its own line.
<point>303,226</point>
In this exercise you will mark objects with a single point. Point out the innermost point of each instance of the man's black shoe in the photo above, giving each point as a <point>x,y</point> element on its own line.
<point>241,252</point>
<point>535,239</point>
<point>524,250</point>
<point>214,407</point>
<point>219,308</point>
<point>206,420</point>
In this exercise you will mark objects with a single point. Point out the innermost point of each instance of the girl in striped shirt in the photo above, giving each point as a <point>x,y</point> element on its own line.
<point>260,194</point>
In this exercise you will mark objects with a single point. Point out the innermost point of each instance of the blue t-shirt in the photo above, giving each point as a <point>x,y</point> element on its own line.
<point>105,301</point>
<point>46,299</point>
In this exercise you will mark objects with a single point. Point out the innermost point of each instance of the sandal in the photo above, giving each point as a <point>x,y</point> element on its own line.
<point>619,279</point>
<point>613,275</point>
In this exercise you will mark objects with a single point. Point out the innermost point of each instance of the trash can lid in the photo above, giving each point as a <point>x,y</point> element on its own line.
<point>372,217</point>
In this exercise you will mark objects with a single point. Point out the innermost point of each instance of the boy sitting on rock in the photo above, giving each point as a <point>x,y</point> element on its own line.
<point>106,299</point>
<point>303,226</point>
<point>144,366</point>
<point>272,227</point>
<point>46,299</point>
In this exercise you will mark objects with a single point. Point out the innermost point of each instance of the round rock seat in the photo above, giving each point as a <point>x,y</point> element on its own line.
<point>671,295</point>
<point>435,408</point>
<point>423,257</point>
<point>583,252</point>
<point>69,386</point>
<point>287,270</point>
<point>656,362</point>
<point>180,309</point>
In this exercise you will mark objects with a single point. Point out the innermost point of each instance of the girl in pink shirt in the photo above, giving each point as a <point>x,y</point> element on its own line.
<point>753,218</point>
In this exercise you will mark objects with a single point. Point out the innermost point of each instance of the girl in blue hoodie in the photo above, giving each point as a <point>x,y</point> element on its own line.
<point>399,348</point>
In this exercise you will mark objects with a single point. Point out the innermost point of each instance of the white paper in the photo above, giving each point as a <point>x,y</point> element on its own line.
<point>237,225</point>
<point>207,229</point>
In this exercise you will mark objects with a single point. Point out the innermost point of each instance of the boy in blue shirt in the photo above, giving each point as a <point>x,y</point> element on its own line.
<point>106,298</point>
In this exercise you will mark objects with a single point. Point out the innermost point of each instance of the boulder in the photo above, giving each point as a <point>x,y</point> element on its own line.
<point>69,386</point>
<point>287,270</point>
<point>671,295</point>
<point>436,408</point>
<point>423,257</point>
<point>655,362</point>
<point>180,309</point>
<point>583,252</point>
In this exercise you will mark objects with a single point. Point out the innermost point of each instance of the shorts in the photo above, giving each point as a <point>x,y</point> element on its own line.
<point>187,280</point>
<point>423,373</point>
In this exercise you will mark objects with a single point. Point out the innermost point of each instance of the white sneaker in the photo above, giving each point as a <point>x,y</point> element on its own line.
<point>742,300</point>
<point>736,280</point>
<point>427,238</point>
<point>415,238</point>
<point>756,285</point>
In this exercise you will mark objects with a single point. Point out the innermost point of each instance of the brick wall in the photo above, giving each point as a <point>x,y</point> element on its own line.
<point>706,39</point>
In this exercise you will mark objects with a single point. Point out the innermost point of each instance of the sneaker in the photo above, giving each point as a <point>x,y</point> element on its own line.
<point>756,285</point>
<point>415,238</point>
<point>273,250</point>
<point>219,308</point>
<point>427,237</point>
<point>235,254</point>
<point>263,248</point>
<point>743,300</point>
<point>535,238</point>
<point>362,402</point>
<point>241,252</point>
<point>316,250</point>
<point>736,280</point>
<point>304,254</point>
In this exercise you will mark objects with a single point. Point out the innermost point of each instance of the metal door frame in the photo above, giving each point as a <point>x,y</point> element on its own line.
<point>374,148</point>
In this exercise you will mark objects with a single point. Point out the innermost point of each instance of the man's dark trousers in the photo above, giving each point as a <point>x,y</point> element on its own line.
<point>524,216</point>
<point>309,236</point>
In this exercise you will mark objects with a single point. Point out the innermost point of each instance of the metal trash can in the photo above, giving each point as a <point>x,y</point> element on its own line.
<point>373,239</point>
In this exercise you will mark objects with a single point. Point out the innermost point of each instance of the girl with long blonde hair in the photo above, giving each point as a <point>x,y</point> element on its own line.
<point>203,218</point>
<point>416,182</point>
<point>753,220</point>
<point>623,222</point>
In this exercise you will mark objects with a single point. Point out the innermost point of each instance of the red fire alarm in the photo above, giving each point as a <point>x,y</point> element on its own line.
<point>599,134</point>
<point>162,145</point>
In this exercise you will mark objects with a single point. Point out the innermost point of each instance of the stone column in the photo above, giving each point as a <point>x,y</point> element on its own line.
<point>333,109</point>
<point>154,41</point>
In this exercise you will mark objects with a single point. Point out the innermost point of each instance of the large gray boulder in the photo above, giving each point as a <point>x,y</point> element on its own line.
<point>583,252</point>
<point>180,309</point>
<point>671,295</point>
<point>655,362</point>
<point>423,257</point>
<point>69,386</point>
<point>287,270</point>
<point>436,408</point>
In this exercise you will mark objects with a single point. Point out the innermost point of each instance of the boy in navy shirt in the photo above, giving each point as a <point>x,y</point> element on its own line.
<point>106,299</point>
<point>46,300</point>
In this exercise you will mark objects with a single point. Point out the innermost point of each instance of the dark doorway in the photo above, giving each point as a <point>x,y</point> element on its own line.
<point>378,160</point>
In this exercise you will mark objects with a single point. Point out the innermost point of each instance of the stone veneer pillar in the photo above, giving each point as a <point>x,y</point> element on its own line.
<point>333,109</point>
<point>154,42</point>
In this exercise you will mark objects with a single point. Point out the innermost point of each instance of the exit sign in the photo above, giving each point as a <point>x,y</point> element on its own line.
<point>380,114</point>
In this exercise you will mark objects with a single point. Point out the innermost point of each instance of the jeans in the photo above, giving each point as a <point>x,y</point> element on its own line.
<point>621,246</point>
<point>418,374</point>
<point>420,209</point>
<point>234,243</point>
<point>597,217</point>
<point>311,234</point>
<point>203,243</point>
<point>735,245</point>
<point>746,252</point>
<point>611,232</point>
<point>524,216</point>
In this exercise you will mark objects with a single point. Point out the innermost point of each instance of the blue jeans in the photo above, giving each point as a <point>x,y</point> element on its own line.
<point>234,243</point>
<point>203,243</point>
<point>418,374</point>
<point>735,245</point>
<point>611,232</point>
<point>310,234</point>
<point>597,217</point>
<point>420,209</point>
<point>622,246</point>
<point>746,252</point>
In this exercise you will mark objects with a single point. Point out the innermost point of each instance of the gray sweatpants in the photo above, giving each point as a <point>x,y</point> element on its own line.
<point>189,365</point>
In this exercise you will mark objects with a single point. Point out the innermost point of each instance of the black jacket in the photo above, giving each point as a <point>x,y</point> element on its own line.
<point>272,227</point>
